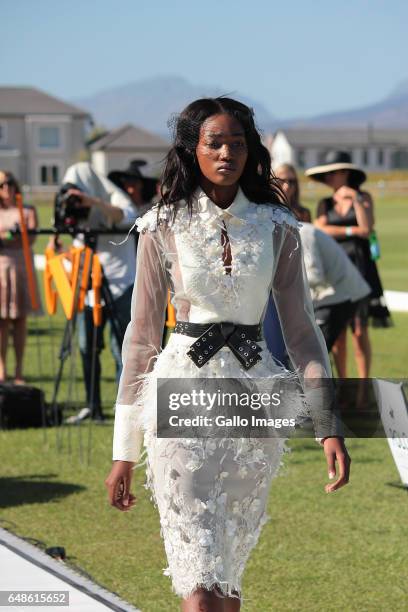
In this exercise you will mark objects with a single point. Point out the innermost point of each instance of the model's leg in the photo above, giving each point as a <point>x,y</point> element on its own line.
<point>19,338</point>
<point>4,334</point>
<point>362,349</point>
<point>205,601</point>
<point>339,351</point>
<point>232,604</point>
<point>198,509</point>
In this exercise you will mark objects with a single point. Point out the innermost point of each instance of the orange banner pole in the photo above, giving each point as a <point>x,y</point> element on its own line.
<point>171,312</point>
<point>97,286</point>
<point>49,291</point>
<point>27,255</point>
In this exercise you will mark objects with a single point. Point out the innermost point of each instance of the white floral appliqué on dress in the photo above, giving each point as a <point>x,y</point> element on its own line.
<point>211,493</point>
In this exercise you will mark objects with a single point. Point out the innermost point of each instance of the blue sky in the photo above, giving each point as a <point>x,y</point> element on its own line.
<point>298,58</point>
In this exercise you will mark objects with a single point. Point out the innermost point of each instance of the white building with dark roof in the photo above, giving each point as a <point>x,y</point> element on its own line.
<point>40,136</point>
<point>118,148</point>
<point>374,150</point>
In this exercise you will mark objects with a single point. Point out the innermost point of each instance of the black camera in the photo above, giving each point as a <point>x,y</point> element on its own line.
<point>68,209</point>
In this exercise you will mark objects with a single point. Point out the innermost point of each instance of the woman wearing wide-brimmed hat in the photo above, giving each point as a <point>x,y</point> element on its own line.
<point>348,216</point>
<point>141,189</point>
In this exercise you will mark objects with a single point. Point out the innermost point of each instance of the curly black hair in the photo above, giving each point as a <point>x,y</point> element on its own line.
<point>181,174</point>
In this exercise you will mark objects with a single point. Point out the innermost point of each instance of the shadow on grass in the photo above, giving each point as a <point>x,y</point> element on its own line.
<point>40,379</point>
<point>34,489</point>
<point>311,445</point>
<point>397,485</point>
<point>48,331</point>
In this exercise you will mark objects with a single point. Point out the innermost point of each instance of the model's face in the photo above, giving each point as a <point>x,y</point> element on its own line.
<point>7,190</point>
<point>222,150</point>
<point>287,182</point>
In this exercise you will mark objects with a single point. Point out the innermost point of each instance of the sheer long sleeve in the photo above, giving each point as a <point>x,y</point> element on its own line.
<point>141,344</point>
<point>303,338</point>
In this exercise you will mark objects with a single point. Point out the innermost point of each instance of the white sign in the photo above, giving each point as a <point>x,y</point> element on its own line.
<point>394,415</point>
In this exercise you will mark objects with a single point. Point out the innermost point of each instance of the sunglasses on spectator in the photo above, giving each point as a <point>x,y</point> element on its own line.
<point>9,183</point>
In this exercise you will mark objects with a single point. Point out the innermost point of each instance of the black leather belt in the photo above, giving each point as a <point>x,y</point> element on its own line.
<point>241,339</point>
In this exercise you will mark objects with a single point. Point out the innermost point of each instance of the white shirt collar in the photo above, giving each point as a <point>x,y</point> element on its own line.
<point>209,211</point>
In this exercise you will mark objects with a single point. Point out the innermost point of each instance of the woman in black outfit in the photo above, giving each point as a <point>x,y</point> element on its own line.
<point>348,216</point>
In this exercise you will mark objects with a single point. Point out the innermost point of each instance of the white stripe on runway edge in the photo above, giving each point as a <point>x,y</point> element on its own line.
<point>397,301</point>
<point>25,567</point>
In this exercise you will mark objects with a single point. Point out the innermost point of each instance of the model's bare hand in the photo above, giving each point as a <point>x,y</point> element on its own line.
<point>118,485</point>
<point>336,451</point>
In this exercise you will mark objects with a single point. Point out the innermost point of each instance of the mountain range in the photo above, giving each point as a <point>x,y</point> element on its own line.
<point>150,103</point>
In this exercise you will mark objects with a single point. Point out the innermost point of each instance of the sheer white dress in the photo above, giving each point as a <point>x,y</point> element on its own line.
<point>211,493</point>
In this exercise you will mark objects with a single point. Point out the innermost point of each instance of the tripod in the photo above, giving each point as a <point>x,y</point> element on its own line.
<point>70,326</point>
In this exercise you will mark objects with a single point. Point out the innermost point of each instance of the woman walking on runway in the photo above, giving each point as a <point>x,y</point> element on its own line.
<point>221,239</point>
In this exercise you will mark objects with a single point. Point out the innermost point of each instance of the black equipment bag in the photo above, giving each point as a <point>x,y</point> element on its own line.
<point>21,407</point>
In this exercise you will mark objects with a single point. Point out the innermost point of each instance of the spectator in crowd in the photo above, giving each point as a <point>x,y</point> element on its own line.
<point>290,186</point>
<point>348,216</point>
<point>140,189</point>
<point>15,303</point>
<point>335,283</point>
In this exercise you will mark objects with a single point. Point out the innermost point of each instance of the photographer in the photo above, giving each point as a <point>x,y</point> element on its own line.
<point>108,207</point>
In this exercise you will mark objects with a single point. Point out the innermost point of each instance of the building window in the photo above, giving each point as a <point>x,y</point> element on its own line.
<point>49,175</point>
<point>399,159</point>
<point>3,133</point>
<point>300,158</point>
<point>380,157</point>
<point>364,157</point>
<point>49,137</point>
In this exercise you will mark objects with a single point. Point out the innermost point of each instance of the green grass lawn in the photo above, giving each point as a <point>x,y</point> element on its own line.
<point>342,552</point>
<point>347,551</point>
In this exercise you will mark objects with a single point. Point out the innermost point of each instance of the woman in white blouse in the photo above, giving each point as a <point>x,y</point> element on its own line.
<point>221,239</point>
<point>336,285</point>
